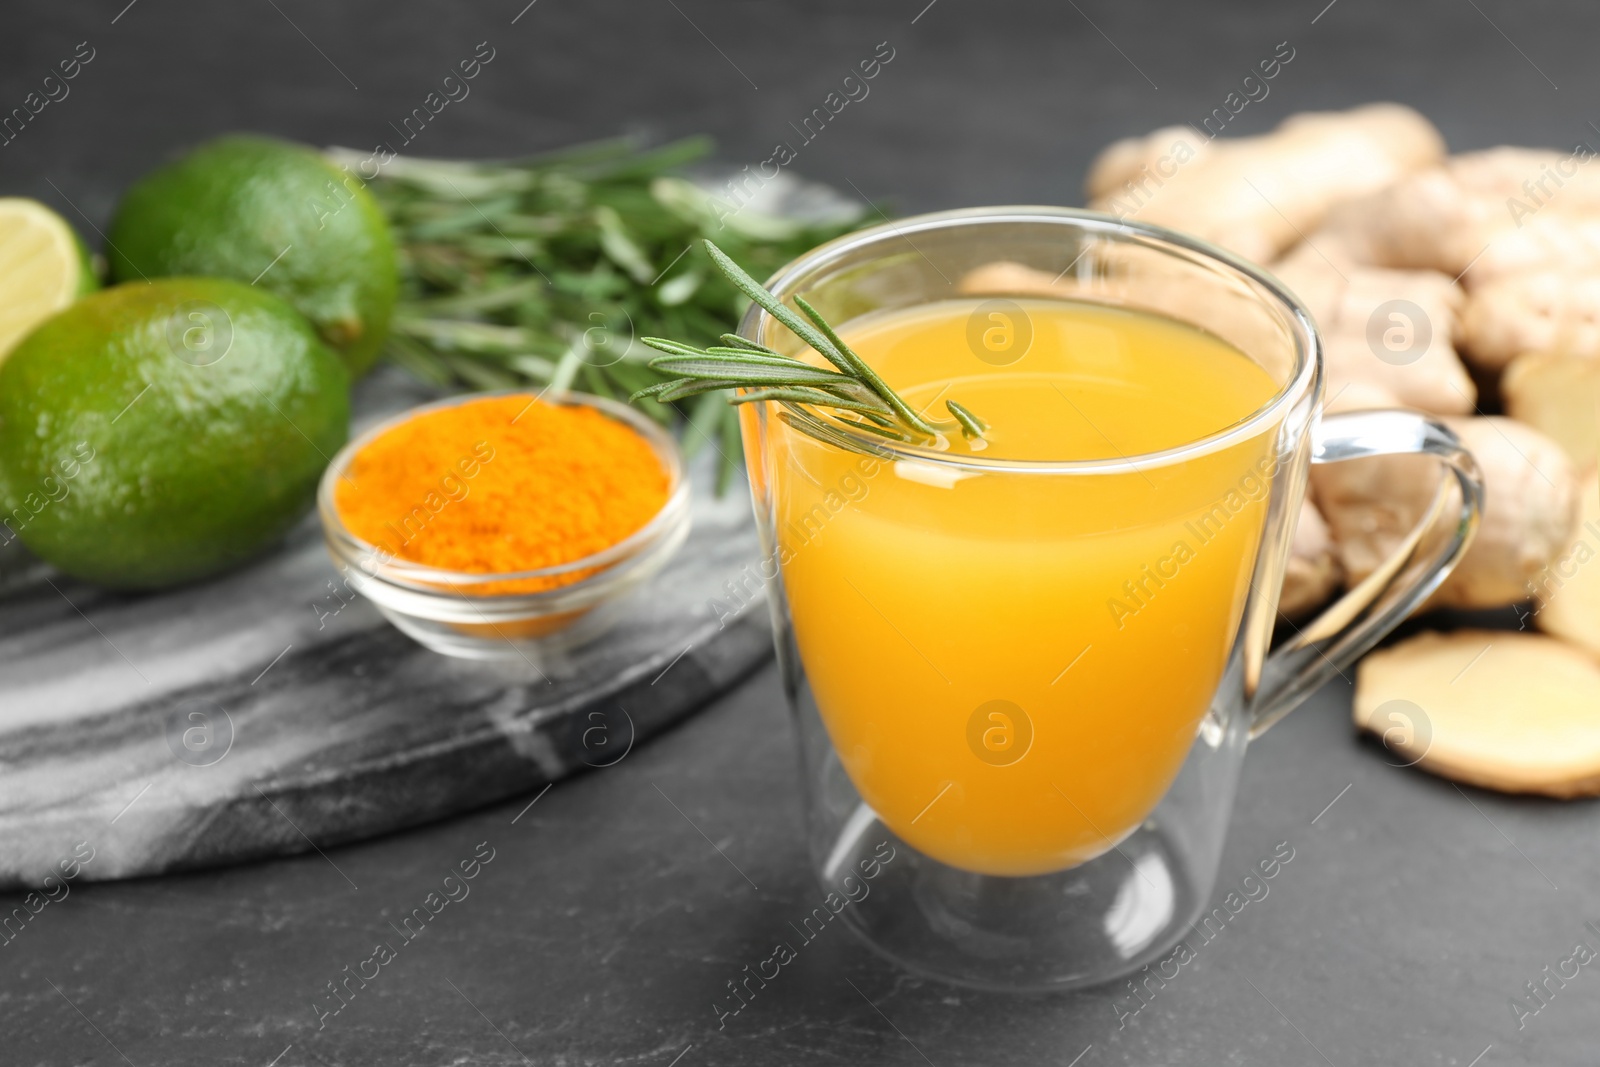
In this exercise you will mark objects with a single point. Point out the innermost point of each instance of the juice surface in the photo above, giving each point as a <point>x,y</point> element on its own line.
<point>1012,667</point>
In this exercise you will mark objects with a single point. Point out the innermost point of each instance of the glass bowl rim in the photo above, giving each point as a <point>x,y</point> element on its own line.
<point>1307,375</point>
<point>420,577</point>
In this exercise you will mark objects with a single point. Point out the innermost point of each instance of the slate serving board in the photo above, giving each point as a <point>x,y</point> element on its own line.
<point>271,711</point>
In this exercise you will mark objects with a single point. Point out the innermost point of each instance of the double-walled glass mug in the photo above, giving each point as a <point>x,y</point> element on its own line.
<point>1037,782</point>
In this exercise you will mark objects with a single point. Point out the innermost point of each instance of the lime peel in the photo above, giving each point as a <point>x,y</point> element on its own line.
<point>43,268</point>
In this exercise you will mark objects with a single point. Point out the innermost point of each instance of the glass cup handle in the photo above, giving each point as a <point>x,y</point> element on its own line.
<point>1360,619</point>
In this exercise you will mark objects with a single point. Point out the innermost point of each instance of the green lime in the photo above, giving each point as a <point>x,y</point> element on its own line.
<point>155,434</point>
<point>275,214</point>
<point>43,267</point>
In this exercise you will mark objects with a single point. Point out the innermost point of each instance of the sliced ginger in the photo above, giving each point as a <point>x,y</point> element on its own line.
<point>1515,712</point>
<point>1568,591</point>
<point>1558,394</point>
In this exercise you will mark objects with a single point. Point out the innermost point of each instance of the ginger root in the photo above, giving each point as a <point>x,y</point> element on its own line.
<point>1360,396</point>
<point>1388,328</point>
<point>1515,712</point>
<point>1122,164</point>
<point>1393,328</point>
<point>1568,590</point>
<point>1545,311</point>
<point>1318,276</point>
<point>1520,227</point>
<point>1558,394</point>
<point>1453,216</point>
<point>1013,279</point>
<point>1313,573</point>
<point>1553,243</point>
<point>1530,513</point>
<point>1258,195</point>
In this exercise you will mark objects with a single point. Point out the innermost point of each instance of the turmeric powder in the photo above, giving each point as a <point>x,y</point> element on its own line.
<point>502,484</point>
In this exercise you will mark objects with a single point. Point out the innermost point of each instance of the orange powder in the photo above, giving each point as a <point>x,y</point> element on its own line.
<point>465,488</point>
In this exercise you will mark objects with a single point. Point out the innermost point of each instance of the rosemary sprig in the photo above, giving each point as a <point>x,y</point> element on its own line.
<point>854,391</point>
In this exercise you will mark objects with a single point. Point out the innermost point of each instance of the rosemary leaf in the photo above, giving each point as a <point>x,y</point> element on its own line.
<point>823,430</point>
<point>735,341</point>
<point>814,397</point>
<point>674,348</point>
<point>447,334</point>
<point>675,291</point>
<point>597,382</point>
<point>567,368</point>
<point>535,367</point>
<point>616,243</point>
<point>478,374</point>
<point>729,352</point>
<point>971,425</point>
<point>832,390</point>
<point>421,361</point>
<point>482,300</point>
<point>631,377</point>
<point>682,390</point>
<point>717,370</point>
<point>892,432</point>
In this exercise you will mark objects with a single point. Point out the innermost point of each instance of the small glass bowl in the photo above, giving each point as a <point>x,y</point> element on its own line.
<point>441,609</point>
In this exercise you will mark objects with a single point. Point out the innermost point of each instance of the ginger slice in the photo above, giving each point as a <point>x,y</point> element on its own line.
<point>1559,394</point>
<point>1568,591</point>
<point>1515,712</point>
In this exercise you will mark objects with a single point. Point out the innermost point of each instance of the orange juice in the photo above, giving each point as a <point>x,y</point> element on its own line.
<point>1012,668</point>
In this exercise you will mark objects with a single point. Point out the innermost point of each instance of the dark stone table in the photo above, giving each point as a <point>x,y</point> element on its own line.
<point>606,922</point>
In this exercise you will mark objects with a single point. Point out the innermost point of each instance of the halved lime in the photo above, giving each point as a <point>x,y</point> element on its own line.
<point>43,267</point>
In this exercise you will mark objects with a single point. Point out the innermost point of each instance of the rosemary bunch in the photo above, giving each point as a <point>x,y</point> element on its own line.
<point>547,272</point>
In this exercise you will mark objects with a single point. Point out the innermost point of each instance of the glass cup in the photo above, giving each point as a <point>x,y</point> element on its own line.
<point>1023,689</point>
